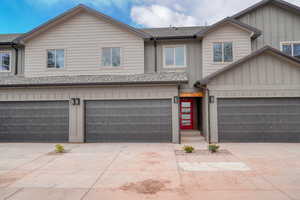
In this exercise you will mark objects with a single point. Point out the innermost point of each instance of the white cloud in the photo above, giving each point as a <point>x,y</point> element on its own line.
<point>157,13</point>
<point>157,16</point>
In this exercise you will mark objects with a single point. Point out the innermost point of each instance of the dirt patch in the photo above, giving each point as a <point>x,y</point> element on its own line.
<point>11,177</point>
<point>221,152</point>
<point>149,186</point>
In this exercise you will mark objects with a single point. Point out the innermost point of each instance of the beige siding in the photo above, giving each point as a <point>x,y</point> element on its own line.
<point>193,60</point>
<point>83,37</point>
<point>76,121</point>
<point>265,70</point>
<point>227,33</point>
<point>276,24</point>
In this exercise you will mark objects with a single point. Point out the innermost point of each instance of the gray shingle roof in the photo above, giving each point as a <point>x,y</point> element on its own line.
<point>174,31</point>
<point>8,37</point>
<point>150,78</point>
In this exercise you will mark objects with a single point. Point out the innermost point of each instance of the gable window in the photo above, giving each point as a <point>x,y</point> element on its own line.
<point>5,61</point>
<point>55,58</point>
<point>111,56</point>
<point>222,52</point>
<point>174,56</point>
<point>291,48</point>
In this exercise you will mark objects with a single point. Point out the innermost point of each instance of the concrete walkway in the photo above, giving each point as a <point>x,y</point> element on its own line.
<point>147,171</point>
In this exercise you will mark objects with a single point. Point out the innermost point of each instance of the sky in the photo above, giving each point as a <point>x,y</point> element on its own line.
<point>20,16</point>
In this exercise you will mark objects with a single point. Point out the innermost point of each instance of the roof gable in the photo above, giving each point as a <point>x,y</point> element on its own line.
<point>72,12</point>
<point>279,3</point>
<point>254,31</point>
<point>266,49</point>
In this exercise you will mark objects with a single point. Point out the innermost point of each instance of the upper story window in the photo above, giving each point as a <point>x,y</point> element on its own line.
<point>223,52</point>
<point>111,56</point>
<point>291,48</point>
<point>5,61</point>
<point>174,56</point>
<point>55,58</point>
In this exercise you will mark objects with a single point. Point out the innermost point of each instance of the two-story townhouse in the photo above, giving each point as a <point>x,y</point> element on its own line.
<point>85,77</point>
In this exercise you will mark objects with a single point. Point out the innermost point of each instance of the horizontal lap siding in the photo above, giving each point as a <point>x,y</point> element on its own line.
<point>83,37</point>
<point>277,25</point>
<point>227,33</point>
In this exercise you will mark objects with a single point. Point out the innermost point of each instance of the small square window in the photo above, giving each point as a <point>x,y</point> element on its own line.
<point>111,56</point>
<point>223,52</point>
<point>55,58</point>
<point>174,56</point>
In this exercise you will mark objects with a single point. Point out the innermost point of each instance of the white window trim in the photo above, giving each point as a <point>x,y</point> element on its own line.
<point>174,66</point>
<point>10,56</point>
<point>111,67</point>
<point>54,68</point>
<point>223,62</point>
<point>289,43</point>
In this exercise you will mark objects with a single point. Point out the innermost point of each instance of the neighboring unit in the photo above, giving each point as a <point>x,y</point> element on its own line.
<point>85,77</point>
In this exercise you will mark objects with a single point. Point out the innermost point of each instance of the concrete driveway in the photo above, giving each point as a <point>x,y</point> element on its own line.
<point>149,171</point>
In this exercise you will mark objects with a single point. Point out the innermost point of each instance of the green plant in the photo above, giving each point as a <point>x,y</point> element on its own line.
<point>59,148</point>
<point>213,148</point>
<point>188,149</point>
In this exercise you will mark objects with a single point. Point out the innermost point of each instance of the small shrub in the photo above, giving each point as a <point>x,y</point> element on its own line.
<point>213,148</point>
<point>59,148</point>
<point>188,149</point>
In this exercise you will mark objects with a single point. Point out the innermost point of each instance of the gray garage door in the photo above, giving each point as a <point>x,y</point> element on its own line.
<point>259,120</point>
<point>129,121</point>
<point>34,121</point>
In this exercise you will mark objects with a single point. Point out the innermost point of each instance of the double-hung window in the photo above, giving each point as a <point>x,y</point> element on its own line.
<point>55,58</point>
<point>5,61</point>
<point>111,56</point>
<point>291,48</point>
<point>174,56</point>
<point>222,52</point>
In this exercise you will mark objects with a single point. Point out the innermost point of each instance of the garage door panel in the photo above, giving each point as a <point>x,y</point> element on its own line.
<point>129,121</point>
<point>259,120</point>
<point>46,121</point>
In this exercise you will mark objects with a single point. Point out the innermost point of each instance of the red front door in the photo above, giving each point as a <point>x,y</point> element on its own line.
<point>186,114</point>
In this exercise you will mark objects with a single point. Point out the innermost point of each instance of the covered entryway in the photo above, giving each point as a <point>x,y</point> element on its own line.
<point>34,121</point>
<point>259,120</point>
<point>148,120</point>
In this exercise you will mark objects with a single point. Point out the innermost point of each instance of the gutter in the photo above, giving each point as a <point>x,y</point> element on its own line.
<point>175,37</point>
<point>91,84</point>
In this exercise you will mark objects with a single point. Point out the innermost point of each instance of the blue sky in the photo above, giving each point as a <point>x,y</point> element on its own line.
<point>19,16</point>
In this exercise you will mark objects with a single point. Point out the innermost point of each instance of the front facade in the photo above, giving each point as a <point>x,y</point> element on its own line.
<point>85,77</point>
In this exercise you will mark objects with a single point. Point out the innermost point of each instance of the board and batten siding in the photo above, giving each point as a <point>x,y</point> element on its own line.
<point>82,37</point>
<point>227,33</point>
<point>193,60</point>
<point>277,25</point>
<point>76,113</point>
<point>265,76</point>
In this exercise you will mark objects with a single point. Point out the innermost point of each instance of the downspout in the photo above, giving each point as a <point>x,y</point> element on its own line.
<point>208,110</point>
<point>179,131</point>
<point>208,115</point>
<point>155,55</point>
<point>17,58</point>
